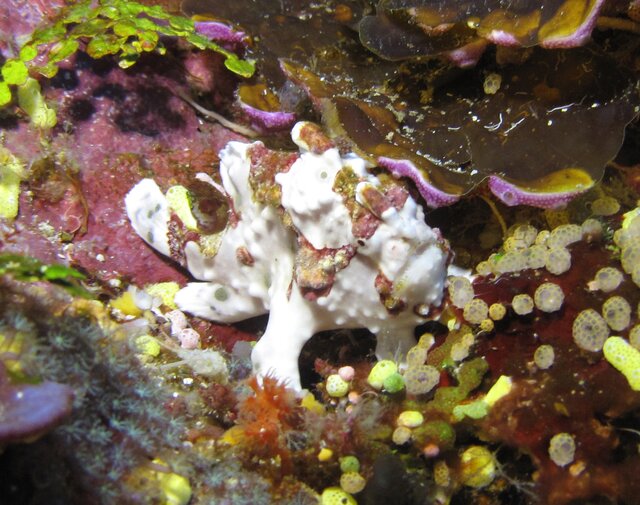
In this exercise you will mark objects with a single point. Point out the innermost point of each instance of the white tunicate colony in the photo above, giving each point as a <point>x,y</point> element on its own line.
<point>460,350</point>
<point>549,297</point>
<point>605,206</point>
<point>484,268</point>
<point>421,379</point>
<point>562,449</point>
<point>460,291</point>
<point>475,311</point>
<point>590,330</point>
<point>628,239</point>
<point>591,229</point>
<point>497,311</point>
<point>542,237</point>
<point>564,235</point>
<point>492,83</point>
<point>558,260</point>
<point>536,256</point>
<point>630,256</point>
<point>607,279</point>
<point>622,238</point>
<point>417,355</point>
<point>522,304</point>
<point>544,356</point>
<point>617,313</point>
<point>522,236</point>
<point>634,336</point>
<point>526,233</point>
<point>511,261</point>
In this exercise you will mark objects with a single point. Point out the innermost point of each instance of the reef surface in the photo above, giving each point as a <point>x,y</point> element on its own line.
<point>428,296</point>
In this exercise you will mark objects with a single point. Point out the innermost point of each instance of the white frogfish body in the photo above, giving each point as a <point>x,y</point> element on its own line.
<point>313,239</point>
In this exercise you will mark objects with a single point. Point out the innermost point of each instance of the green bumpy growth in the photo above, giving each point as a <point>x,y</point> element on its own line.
<point>122,28</point>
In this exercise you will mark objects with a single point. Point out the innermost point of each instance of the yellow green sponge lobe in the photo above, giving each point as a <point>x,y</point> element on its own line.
<point>11,173</point>
<point>337,496</point>
<point>624,358</point>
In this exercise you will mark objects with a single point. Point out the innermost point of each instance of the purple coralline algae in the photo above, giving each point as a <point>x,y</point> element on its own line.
<point>30,410</point>
<point>221,32</point>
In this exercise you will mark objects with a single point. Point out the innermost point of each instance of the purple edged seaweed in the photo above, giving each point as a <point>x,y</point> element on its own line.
<point>543,122</point>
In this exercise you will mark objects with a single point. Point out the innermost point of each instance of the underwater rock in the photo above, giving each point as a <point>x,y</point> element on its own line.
<point>30,410</point>
<point>554,355</point>
<point>70,199</point>
<point>370,262</point>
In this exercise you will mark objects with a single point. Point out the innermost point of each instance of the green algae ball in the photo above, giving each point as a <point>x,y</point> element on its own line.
<point>478,467</point>
<point>634,336</point>
<point>349,464</point>
<point>440,433</point>
<point>394,383</point>
<point>352,482</point>
<point>497,311</point>
<point>148,346</point>
<point>605,206</point>
<point>512,261</point>
<point>474,410</point>
<point>337,387</point>
<point>401,435</point>
<point>410,418</point>
<point>536,256</point>
<point>337,496</point>
<point>630,255</point>
<point>380,372</point>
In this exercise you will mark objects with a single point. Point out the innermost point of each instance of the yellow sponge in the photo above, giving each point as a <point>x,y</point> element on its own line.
<point>11,173</point>
<point>625,358</point>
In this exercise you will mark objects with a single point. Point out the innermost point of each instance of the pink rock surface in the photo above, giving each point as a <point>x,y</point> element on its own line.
<point>114,128</point>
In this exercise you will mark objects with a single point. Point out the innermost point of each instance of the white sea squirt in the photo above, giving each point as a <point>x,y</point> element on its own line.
<point>336,249</point>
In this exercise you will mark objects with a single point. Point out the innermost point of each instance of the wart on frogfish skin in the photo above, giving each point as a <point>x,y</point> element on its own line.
<point>264,256</point>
